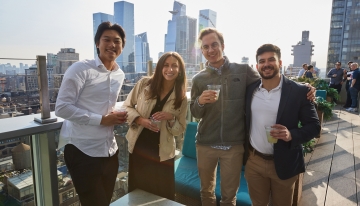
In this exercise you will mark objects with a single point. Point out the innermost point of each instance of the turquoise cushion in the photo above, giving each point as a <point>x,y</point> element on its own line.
<point>189,149</point>
<point>187,182</point>
<point>321,93</point>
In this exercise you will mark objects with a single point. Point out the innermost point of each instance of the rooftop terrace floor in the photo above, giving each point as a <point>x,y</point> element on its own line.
<point>332,175</point>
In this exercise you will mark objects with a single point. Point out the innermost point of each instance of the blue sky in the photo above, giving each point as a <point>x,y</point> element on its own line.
<point>36,27</point>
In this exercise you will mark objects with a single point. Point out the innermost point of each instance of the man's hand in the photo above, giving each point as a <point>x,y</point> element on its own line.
<point>207,96</point>
<point>281,132</point>
<point>311,94</point>
<point>114,118</point>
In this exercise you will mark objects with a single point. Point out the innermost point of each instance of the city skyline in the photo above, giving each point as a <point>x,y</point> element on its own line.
<point>245,28</point>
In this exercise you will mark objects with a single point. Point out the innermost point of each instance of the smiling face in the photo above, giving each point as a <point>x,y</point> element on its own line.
<point>268,65</point>
<point>212,49</point>
<point>170,69</point>
<point>110,46</point>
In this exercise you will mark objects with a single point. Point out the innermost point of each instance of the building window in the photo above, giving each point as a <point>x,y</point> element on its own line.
<point>336,25</point>
<point>349,3</point>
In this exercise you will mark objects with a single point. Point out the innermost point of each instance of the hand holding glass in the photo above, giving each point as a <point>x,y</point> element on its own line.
<point>215,88</point>
<point>156,122</point>
<point>269,137</point>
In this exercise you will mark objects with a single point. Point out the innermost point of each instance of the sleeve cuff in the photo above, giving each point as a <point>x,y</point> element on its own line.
<point>95,119</point>
<point>197,101</point>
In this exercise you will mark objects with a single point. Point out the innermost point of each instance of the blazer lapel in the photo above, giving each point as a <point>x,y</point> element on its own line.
<point>285,93</point>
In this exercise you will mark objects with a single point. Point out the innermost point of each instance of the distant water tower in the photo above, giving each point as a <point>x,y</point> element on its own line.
<point>21,156</point>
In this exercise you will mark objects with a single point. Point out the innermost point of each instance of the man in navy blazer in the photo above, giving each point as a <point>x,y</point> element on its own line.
<point>280,103</point>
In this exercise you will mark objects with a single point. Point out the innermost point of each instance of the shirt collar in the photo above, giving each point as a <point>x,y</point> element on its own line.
<point>276,88</point>
<point>218,70</point>
<point>100,65</point>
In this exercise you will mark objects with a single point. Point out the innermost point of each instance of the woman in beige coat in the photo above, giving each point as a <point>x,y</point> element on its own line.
<point>162,98</point>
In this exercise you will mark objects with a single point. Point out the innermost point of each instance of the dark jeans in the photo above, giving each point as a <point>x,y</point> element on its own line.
<point>93,177</point>
<point>337,87</point>
<point>354,95</point>
<point>348,99</point>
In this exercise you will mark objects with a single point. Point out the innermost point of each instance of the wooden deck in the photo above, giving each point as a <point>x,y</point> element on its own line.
<point>332,174</point>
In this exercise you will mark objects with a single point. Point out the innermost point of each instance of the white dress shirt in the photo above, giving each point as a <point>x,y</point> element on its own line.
<point>264,109</point>
<point>89,91</point>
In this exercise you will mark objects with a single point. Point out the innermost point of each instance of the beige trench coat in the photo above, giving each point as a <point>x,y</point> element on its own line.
<point>138,105</point>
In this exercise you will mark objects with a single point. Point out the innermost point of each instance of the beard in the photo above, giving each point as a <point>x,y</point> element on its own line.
<point>275,72</point>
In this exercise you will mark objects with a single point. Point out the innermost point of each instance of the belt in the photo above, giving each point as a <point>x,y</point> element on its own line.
<point>264,156</point>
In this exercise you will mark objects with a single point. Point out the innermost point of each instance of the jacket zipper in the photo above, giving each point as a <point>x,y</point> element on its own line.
<point>222,111</point>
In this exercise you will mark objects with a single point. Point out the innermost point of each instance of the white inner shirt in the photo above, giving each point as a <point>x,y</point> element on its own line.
<point>264,109</point>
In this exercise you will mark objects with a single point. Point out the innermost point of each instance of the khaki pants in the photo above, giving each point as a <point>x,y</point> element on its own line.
<point>230,170</point>
<point>261,177</point>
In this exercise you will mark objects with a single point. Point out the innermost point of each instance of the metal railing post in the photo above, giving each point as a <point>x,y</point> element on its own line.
<point>43,91</point>
<point>150,68</point>
<point>201,66</point>
<point>44,159</point>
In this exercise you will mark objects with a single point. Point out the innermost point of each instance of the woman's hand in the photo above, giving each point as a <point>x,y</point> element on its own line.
<point>163,116</point>
<point>147,123</point>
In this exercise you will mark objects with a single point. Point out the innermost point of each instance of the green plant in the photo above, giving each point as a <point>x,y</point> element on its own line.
<point>308,147</point>
<point>325,107</point>
<point>333,93</point>
<point>305,80</point>
<point>321,84</point>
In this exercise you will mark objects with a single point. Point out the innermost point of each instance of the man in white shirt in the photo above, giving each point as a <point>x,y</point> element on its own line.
<point>86,101</point>
<point>274,164</point>
<point>302,71</point>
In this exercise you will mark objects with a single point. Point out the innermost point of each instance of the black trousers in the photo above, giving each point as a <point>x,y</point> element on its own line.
<point>336,86</point>
<point>93,177</point>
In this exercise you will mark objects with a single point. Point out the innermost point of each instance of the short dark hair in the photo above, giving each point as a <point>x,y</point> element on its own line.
<point>310,66</point>
<point>210,30</point>
<point>108,26</point>
<point>268,48</point>
<point>349,62</point>
<point>338,63</point>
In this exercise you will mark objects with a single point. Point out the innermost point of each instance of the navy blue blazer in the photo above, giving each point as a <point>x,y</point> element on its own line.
<point>293,107</point>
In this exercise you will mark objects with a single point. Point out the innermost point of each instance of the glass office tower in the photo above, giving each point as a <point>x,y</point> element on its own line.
<point>99,18</point>
<point>344,37</point>
<point>124,16</point>
<point>179,9</point>
<point>142,53</point>
<point>207,18</point>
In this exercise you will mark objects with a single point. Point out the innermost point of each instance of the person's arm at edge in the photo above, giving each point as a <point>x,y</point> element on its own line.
<point>330,73</point>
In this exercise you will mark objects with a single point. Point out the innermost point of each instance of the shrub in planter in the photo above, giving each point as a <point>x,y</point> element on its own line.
<point>325,107</point>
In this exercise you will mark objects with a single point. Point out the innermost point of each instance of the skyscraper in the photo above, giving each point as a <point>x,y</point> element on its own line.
<point>179,9</point>
<point>344,37</point>
<point>99,18</point>
<point>302,51</point>
<point>142,54</point>
<point>185,39</point>
<point>181,34</point>
<point>207,18</point>
<point>124,16</point>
